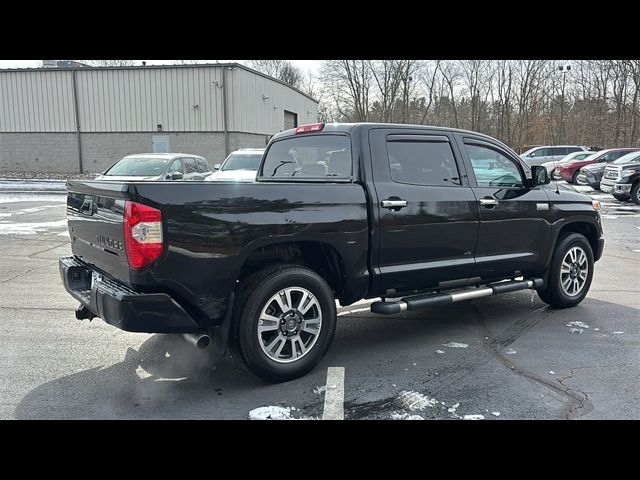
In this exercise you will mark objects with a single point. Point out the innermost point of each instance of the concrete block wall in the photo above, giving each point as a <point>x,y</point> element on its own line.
<point>58,152</point>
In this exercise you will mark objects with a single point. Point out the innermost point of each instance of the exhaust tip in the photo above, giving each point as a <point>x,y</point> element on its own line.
<point>203,342</point>
<point>200,340</point>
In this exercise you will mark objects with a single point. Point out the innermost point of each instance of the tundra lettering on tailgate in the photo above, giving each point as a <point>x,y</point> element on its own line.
<point>109,242</point>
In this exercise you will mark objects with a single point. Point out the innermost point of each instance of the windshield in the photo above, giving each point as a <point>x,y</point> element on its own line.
<point>139,167</point>
<point>628,158</point>
<point>242,161</point>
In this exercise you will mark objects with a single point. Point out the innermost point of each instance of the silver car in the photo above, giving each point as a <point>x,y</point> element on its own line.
<point>240,166</point>
<point>158,167</point>
<point>550,153</point>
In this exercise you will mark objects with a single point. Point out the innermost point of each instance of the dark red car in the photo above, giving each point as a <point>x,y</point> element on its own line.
<point>569,171</point>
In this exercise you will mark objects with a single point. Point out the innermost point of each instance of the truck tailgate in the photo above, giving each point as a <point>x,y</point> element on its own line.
<point>95,215</point>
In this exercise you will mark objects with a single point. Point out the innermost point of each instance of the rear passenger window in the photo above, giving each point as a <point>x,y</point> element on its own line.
<point>422,163</point>
<point>190,165</point>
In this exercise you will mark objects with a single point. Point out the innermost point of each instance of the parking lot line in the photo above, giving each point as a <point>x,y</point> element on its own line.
<point>334,394</point>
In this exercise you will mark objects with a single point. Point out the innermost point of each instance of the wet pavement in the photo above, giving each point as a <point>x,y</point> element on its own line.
<point>522,360</point>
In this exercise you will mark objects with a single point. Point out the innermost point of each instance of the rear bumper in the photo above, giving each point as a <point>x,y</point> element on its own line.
<point>120,306</point>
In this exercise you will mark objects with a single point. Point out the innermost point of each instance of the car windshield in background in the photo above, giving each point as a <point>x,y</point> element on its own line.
<point>139,167</point>
<point>309,156</point>
<point>628,158</point>
<point>239,161</point>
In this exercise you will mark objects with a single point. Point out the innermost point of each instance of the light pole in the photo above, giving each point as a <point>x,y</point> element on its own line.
<point>564,69</point>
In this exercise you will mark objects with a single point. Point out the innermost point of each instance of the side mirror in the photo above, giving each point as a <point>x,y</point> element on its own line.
<point>539,176</point>
<point>216,167</point>
<point>177,176</point>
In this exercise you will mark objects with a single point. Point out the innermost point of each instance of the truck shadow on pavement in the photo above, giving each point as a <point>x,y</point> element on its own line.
<point>168,378</point>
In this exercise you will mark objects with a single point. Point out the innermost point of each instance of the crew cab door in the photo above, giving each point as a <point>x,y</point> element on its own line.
<point>514,233</point>
<point>427,214</point>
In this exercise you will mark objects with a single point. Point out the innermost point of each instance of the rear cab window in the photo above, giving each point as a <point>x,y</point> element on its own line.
<point>317,157</point>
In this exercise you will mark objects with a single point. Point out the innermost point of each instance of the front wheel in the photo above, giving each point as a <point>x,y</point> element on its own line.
<point>284,321</point>
<point>620,198</point>
<point>574,177</point>
<point>571,272</point>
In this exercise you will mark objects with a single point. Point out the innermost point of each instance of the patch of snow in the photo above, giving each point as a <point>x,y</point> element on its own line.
<point>455,345</point>
<point>414,364</point>
<point>270,413</point>
<point>162,379</point>
<point>405,416</point>
<point>142,373</point>
<point>323,388</point>
<point>495,414</point>
<point>510,351</point>
<point>577,324</point>
<point>415,400</point>
<point>596,329</point>
<point>618,333</point>
<point>453,408</point>
<point>576,330</point>
<point>552,372</point>
<point>29,228</point>
<point>439,351</point>
<point>473,417</point>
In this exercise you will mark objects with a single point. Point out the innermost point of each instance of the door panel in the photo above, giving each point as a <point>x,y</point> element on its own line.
<point>514,231</point>
<point>428,216</point>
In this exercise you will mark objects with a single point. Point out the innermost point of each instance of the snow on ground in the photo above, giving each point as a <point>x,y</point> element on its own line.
<point>453,408</point>
<point>455,345</point>
<point>415,400</point>
<point>11,228</point>
<point>577,324</point>
<point>405,416</point>
<point>473,417</point>
<point>440,351</point>
<point>270,413</point>
<point>495,414</point>
<point>576,330</point>
<point>510,351</point>
<point>32,197</point>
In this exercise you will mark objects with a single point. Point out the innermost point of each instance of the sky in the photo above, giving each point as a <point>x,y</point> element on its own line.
<point>312,66</point>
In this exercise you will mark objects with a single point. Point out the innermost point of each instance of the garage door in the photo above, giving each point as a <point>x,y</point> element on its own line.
<point>290,120</point>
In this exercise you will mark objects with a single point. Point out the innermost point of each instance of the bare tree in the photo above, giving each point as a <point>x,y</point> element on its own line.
<point>349,83</point>
<point>283,70</point>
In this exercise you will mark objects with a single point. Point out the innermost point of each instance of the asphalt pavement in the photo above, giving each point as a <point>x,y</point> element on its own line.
<point>503,357</point>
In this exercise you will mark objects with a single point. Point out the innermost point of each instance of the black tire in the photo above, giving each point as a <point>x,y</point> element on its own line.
<point>254,294</point>
<point>553,293</point>
<point>620,198</point>
<point>635,193</point>
<point>574,177</point>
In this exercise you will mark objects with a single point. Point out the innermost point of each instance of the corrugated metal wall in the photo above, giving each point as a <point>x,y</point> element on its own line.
<point>181,99</point>
<point>38,101</point>
<point>248,109</point>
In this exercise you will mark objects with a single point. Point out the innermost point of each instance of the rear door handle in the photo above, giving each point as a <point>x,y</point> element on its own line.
<point>393,204</point>
<point>488,202</point>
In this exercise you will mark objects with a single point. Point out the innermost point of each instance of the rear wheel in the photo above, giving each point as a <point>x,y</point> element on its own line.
<point>284,321</point>
<point>635,193</point>
<point>620,198</point>
<point>571,272</point>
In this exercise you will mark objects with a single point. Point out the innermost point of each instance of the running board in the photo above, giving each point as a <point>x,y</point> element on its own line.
<point>433,299</point>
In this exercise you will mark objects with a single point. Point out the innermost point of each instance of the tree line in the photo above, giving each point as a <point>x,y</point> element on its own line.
<point>520,102</point>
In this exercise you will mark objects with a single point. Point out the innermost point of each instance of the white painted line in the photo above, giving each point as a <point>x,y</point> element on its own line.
<point>334,394</point>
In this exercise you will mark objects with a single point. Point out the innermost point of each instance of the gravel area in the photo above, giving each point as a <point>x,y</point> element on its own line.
<point>45,176</point>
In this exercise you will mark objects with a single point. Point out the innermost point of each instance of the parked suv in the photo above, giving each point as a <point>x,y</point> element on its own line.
<point>157,167</point>
<point>540,155</point>
<point>570,171</point>
<point>622,178</point>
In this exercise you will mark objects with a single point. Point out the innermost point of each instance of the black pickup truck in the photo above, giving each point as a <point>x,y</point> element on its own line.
<point>416,215</point>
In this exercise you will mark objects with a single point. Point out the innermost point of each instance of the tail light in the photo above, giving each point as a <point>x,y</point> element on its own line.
<point>311,127</point>
<point>142,234</point>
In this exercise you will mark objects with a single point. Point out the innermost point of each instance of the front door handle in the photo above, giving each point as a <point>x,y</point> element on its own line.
<point>488,202</point>
<point>393,204</point>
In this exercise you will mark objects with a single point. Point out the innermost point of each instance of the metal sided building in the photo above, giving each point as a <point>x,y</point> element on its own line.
<point>70,120</point>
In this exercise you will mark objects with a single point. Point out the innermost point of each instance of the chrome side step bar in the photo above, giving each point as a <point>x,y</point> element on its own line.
<point>432,299</point>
